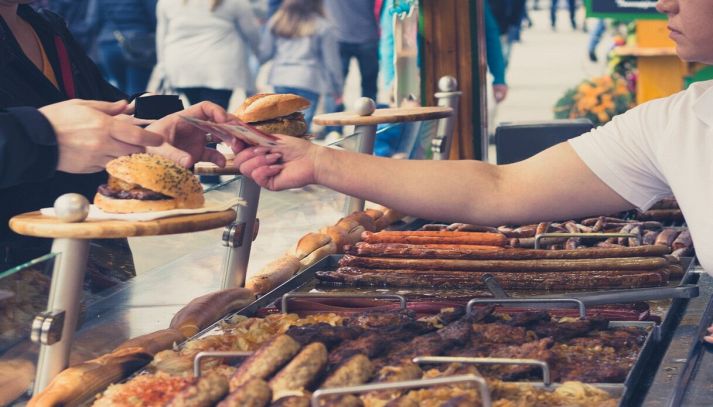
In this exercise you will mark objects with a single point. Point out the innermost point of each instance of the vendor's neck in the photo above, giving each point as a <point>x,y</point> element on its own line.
<point>9,14</point>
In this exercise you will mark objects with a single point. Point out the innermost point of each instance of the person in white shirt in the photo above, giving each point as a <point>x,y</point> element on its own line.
<point>203,47</point>
<point>661,147</point>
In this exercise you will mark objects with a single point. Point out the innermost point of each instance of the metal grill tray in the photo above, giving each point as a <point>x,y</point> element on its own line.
<point>647,360</point>
<point>305,281</point>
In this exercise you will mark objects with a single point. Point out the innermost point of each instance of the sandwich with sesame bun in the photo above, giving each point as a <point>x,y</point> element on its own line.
<point>148,183</point>
<point>275,113</point>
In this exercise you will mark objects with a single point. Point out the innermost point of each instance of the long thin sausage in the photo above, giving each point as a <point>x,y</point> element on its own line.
<point>398,250</point>
<point>436,237</point>
<point>623,263</point>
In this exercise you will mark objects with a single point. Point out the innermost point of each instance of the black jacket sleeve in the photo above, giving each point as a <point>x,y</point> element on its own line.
<point>28,146</point>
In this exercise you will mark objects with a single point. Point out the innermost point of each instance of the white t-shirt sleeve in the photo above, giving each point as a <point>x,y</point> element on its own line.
<point>623,153</point>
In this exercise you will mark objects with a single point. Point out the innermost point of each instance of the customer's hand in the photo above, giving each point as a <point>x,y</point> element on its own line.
<point>186,144</point>
<point>709,338</point>
<point>500,92</point>
<point>290,164</point>
<point>91,133</point>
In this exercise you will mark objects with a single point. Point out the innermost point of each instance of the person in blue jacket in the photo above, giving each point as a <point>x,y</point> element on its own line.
<point>126,20</point>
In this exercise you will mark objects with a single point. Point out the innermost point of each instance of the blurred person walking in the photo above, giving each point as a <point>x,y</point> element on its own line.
<point>204,50</point>
<point>204,45</point>
<point>357,31</point>
<point>572,5</point>
<point>302,45</point>
<point>126,42</point>
<point>595,37</point>
<point>81,19</point>
<point>508,15</point>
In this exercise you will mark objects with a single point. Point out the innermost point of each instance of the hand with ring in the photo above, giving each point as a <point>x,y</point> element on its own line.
<point>186,144</point>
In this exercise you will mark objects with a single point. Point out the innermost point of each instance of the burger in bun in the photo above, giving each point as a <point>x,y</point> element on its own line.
<point>148,183</point>
<point>275,113</point>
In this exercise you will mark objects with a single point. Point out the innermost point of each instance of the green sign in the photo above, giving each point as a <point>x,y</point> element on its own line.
<point>624,9</point>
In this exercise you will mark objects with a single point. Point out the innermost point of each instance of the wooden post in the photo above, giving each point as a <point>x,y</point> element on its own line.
<point>660,72</point>
<point>449,30</point>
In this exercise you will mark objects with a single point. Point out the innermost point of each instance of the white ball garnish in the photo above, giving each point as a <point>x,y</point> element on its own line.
<point>364,106</point>
<point>447,84</point>
<point>71,208</point>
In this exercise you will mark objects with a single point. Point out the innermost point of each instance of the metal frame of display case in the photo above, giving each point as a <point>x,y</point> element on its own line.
<point>55,328</point>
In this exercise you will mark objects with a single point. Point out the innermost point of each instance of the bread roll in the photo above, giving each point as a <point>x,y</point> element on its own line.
<point>374,214</point>
<point>390,216</point>
<point>273,274</point>
<point>266,106</point>
<point>309,243</point>
<point>338,236</point>
<point>154,342</point>
<point>319,254</point>
<point>354,230</point>
<point>365,220</point>
<point>81,382</point>
<point>207,309</point>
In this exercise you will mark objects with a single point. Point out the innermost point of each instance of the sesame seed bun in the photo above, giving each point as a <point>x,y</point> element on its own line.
<point>157,174</point>
<point>267,106</point>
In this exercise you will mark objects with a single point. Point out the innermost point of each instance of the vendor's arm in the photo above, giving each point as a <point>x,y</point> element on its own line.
<point>554,184</point>
<point>612,168</point>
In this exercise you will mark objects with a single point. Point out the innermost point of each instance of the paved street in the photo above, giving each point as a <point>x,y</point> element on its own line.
<point>545,64</point>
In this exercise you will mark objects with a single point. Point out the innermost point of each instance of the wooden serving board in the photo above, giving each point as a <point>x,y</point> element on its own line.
<point>380,116</point>
<point>204,168</point>
<point>37,225</point>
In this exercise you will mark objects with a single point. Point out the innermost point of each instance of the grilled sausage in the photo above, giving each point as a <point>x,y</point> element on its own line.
<point>356,370</point>
<point>265,360</point>
<point>436,237</point>
<point>301,371</point>
<point>623,263</point>
<point>666,237</point>
<point>508,280</point>
<point>205,392</point>
<point>683,240</point>
<point>255,393</point>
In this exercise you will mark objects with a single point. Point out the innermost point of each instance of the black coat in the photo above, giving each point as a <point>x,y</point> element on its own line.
<point>28,150</point>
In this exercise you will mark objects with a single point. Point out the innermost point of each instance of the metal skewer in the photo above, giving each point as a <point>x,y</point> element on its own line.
<point>286,297</point>
<point>546,377</point>
<point>408,384</point>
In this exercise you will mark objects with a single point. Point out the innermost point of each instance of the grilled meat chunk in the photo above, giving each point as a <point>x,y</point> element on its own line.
<point>329,335</point>
<point>371,344</point>
<point>562,331</point>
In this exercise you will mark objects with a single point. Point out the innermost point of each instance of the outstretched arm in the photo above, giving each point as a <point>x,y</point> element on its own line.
<point>555,184</point>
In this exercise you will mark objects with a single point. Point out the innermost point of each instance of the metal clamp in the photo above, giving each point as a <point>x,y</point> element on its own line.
<point>286,297</point>
<point>407,384</point>
<point>438,145</point>
<point>215,354</point>
<point>580,303</point>
<point>233,234</point>
<point>586,235</point>
<point>651,326</point>
<point>546,376</point>
<point>256,228</point>
<point>47,327</point>
<point>493,286</point>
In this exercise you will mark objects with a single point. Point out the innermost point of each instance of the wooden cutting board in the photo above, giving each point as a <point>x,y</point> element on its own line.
<point>37,225</point>
<point>380,116</point>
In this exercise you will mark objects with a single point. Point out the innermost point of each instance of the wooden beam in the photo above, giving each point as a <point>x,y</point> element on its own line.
<point>448,50</point>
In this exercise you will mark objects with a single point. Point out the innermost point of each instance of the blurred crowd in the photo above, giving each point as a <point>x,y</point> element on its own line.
<point>207,49</point>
